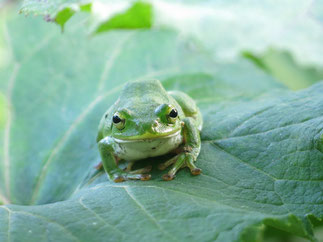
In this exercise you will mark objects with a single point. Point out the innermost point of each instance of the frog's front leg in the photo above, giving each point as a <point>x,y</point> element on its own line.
<point>191,150</point>
<point>109,162</point>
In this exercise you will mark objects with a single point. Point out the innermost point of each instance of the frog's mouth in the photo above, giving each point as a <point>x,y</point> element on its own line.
<point>147,138</point>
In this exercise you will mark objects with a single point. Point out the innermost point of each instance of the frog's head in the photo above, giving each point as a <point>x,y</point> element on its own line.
<point>145,111</point>
<point>148,123</point>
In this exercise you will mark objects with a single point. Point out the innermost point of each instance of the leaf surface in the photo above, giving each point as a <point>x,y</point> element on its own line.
<point>261,152</point>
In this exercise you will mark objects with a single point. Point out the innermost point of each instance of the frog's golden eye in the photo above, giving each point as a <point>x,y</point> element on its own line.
<point>118,121</point>
<point>172,115</point>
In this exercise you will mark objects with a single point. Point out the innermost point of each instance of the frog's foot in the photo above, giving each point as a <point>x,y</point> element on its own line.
<point>129,166</point>
<point>124,176</point>
<point>181,161</point>
<point>163,166</point>
<point>139,171</point>
<point>128,174</point>
<point>142,170</point>
<point>99,166</point>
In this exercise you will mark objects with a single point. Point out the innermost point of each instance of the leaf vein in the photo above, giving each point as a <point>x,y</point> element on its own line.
<point>207,199</point>
<point>146,212</point>
<point>110,61</point>
<point>244,162</point>
<point>249,118</point>
<point>99,217</point>
<point>9,220</point>
<point>64,138</point>
<point>11,83</point>
<point>8,129</point>
<point>48,221</point>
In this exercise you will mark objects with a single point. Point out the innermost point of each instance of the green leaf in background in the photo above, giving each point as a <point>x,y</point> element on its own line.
<point>66,13</point>
<point>261,151</point>
<point>138,16</point>
<point>281,65</point>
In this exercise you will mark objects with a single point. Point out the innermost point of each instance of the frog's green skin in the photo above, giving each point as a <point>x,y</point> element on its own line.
<point>147,129</point>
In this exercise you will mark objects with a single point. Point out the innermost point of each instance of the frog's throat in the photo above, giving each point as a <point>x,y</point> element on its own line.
<point>147,138</point>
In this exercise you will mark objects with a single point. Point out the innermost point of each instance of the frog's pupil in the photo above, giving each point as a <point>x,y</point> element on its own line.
<point>173,113</point>
<point>116,119</point>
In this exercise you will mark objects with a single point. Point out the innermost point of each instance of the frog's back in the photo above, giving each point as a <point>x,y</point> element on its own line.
<point>143,92</point>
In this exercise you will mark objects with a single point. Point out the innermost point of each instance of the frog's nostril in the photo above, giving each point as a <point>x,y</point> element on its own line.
<point>154,126</point>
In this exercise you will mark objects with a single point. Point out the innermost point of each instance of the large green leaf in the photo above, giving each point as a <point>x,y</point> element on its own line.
<point>69,80</point>
<point>261,153</point>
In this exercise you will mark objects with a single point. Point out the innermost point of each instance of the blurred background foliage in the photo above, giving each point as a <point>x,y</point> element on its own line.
<point>284,39</point>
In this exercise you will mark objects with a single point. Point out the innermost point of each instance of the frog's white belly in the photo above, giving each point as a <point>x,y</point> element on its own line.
<point>140,149</point>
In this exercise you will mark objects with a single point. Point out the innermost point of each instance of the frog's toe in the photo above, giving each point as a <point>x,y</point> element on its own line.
<point>129,176</point>
<point>99,166</point>
<point>142,170</point>
<point>145,177</point>
<point>168,177</point>
<point>163,166</point>
<point>119,178</point>
<point>196,171</point>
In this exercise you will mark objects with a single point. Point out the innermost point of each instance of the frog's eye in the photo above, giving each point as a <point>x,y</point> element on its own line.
<point>172,115</point>
<point>167,113</point>
<point>118,121</point>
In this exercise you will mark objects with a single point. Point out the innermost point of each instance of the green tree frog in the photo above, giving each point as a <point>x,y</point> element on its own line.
<point>147,121</point>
